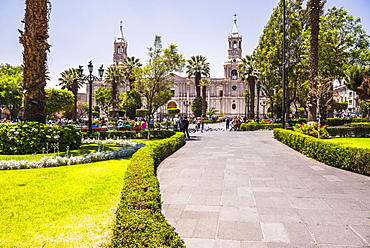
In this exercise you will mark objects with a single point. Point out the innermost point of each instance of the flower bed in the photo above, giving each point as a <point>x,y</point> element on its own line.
<point>56,161</point>
<point>344,157</point>
<point>139,221</point>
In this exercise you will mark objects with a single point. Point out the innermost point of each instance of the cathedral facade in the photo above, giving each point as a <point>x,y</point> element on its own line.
<point>224,94</point>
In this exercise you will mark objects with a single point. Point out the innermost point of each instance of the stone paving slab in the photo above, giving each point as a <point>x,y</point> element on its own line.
<point>245,189</point>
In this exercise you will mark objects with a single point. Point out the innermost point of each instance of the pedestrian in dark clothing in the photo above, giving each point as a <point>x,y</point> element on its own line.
<point>227,123</point>
<point>185,126</point>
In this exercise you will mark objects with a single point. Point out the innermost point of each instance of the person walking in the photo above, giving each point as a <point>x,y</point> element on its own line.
<point>185,126</point>
<point>227,123</point>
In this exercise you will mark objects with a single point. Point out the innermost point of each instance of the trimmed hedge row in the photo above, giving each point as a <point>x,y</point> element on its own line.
<point>253,126</point>
<point>342,121</point>
<point>160,134</point>
<point>348,158</point>
<point>357,131</point>
<point>139,221</point>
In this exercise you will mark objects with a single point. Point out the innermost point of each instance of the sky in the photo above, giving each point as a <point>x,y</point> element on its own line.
<point>84,30</point>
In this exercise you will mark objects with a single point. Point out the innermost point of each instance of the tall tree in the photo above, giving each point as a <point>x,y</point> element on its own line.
<point>103,98</point>
<point>204,83</point>
<point>131,100</point>
<point>11,84</point>
<point>248,71</point>
<point>115,76</point>
<point>197,67</point>
<point>69,80</point>
<point>34,41</point>
<point>58,101</point>
<point>131,67</point>
<point>314,7</point>
<point>154,84</point>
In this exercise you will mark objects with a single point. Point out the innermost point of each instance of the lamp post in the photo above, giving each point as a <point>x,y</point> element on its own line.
<point>90,78</point>
<point>187,104</point>
<point>258,100</point>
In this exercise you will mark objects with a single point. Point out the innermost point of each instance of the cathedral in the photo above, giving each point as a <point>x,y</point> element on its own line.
<point>223,94</point>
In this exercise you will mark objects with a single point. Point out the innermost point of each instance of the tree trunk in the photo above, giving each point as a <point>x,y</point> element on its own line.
<point>197,83</point>
<point>315,8</point>
<point>114,96</point>
<point>34,41</point>
<point>204,100</point>
<point>75,92</point>
<point>252,90</point>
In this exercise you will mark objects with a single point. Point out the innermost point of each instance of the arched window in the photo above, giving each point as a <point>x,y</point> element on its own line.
<point>234,75</point>
<point>172,104</point>
<point>234,46</point>
<point>233,106</point>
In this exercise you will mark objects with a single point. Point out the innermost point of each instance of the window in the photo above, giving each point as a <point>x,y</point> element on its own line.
<point>221,93</point>
<point>234,46</point>
<point>173,92</point>
<point>234,75</point>
<point>233,106</point>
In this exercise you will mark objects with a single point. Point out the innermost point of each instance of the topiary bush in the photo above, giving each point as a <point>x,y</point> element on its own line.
<point>34,137</point>
<point>139,221</point>
<point>344,157</point>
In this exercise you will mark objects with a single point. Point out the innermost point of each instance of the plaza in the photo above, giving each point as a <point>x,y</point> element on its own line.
<point>245,189</point>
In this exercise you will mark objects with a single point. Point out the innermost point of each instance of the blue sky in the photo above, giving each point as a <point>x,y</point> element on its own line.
<point>84,30</point>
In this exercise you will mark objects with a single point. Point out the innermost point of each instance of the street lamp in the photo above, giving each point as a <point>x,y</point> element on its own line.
<point>258,100</point>
<point>187,104</point>
<point>90,78</point>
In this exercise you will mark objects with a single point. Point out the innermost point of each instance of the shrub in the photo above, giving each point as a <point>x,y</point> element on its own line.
<point>139,221</point>
<point>253,126</point>
<point>33,137</point>
<point>349,158</point>
<point>312,129</point>
<point>336,121</point>
<point>357,131</point>
<point>297,121</point>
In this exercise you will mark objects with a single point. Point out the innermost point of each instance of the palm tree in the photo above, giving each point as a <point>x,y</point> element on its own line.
<point>114,75</point>
<point>204,83</point>
<point>248,72</point>
<point>131,68</point>
<point>69,80</point>
<point>197,66</point>
<point>34,41</point>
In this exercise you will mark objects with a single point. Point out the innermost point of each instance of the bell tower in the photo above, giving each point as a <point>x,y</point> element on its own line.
<point>120,47</point>
<point>234,53</point>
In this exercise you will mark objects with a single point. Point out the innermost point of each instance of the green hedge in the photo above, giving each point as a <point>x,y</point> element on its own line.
<point>34,137</point>
<point>253,126</point>
<point>349,158</point>
<point>161,134</point>
<point>139,221</point>
<point>296,121</point>
<point>342,121</point>
<point>353,131</point>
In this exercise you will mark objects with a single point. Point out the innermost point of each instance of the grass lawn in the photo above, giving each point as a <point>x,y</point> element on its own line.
<point>68,206</point>
<point>353,142</point>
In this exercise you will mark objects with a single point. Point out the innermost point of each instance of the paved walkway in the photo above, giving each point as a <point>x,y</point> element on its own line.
<point>245,189</point>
